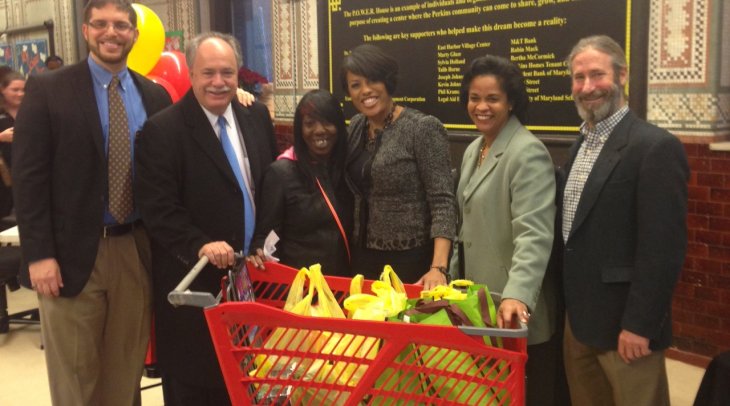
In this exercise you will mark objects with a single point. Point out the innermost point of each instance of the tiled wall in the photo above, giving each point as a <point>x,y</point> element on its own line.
<point>689,67</point>
<point>296,57</point>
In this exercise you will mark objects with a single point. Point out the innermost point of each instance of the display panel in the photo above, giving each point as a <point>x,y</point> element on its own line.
<point>433,40</point>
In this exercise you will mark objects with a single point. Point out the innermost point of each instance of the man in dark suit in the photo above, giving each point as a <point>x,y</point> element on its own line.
<point>624,207</point>
<point>199,164</point>
<point>88,257</point>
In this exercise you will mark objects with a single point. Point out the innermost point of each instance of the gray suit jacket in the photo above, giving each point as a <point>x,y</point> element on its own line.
<point>508,215</point>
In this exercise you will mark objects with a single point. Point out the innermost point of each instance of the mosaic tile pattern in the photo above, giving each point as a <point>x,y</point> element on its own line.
<point>284,49</point>
<point>296,55</point>
<point>688,67</point>
<point>285,62</point>
<point>309,38</point>
<point>690,113</point>
<point>285,104</point>
<point>678,41</point>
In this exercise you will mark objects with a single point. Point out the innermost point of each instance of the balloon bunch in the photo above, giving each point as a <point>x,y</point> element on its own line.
<point>168,69</point>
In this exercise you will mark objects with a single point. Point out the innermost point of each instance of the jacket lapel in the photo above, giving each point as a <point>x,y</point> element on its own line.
<point>204,135</point>
<point>478,175</point>
<point>607,160</point>
<point>249,133</point>
<point>83,85</point>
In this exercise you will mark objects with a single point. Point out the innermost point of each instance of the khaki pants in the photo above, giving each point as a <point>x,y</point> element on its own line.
<point>598,378</point>
<point>95,342</point>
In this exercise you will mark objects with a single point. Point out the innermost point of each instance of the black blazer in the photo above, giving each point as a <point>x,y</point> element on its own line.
<point>292,206</point>
<point>627,244</point>
<point>188,197</point>
<point>60,169</point>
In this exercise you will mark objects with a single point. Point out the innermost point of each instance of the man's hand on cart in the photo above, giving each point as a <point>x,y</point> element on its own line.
<point>258,259</point>
<point>511,310</point>
<point>219,253</point>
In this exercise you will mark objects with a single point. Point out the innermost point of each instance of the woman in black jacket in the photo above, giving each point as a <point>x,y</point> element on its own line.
<point>304,198</point>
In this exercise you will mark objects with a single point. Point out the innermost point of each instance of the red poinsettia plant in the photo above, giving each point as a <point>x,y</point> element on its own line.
<point>251,81</point>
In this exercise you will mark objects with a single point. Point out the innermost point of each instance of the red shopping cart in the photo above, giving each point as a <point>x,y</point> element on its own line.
<point>269,356</point>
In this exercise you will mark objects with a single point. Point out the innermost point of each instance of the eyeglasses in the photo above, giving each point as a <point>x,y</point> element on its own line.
<point>119,26</point>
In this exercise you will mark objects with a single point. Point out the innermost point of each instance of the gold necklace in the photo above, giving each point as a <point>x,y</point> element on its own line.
<point>483,151</point>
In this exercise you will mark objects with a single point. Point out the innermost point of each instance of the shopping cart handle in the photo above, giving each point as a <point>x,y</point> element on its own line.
<point>188,298</point>
<point>190,277</point>
<point>496,332</point>
<point>182,296</point>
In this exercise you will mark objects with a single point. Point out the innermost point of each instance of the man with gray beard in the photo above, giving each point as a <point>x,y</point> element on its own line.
<point>623,206</point>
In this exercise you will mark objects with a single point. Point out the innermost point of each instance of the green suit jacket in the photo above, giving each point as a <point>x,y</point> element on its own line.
<point>507,209</point>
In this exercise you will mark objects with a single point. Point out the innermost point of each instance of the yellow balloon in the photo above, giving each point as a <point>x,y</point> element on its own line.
<point>150,43</point>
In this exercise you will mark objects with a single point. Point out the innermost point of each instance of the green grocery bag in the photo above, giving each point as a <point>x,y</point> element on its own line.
<point>472,299</point>
<point>441,367</point>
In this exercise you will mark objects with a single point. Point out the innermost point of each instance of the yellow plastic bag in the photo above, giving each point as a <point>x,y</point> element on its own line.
<point>301,339</point>
<point>388,299</point>
<point>316,343</point>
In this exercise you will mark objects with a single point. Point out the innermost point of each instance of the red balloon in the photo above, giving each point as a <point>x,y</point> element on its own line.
<point>172,67</point>
<point>174,95</point>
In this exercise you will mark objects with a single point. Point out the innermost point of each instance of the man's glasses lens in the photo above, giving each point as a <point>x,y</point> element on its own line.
<point>119,26</point>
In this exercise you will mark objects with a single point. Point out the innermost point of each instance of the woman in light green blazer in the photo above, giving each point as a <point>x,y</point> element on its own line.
<point>506,197</point>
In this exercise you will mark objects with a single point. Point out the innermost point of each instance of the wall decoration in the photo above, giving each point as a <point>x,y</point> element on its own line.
<point>6,55</point>
<point>31,56</point>
<point>174,41</point>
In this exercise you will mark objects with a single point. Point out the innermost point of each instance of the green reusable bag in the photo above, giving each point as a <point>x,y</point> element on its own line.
<point>440,367</point>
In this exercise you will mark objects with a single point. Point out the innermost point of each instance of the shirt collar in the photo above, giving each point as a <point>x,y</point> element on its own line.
<point>213,118</point>
<point>604,127</point>
<point>102,77</point>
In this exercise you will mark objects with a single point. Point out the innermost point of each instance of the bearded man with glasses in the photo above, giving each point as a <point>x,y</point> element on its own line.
<point>87,251</point>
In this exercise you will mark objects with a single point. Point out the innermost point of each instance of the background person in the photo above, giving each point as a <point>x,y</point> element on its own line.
<point>5,69</point>
<point>88,255</point>
<point>292,203</point>
<point>624,208</point>
<point>12,89</point>
<point>53,62</point>
<point>399,168</point>
<point>506,197</point>
<point>199,167</point>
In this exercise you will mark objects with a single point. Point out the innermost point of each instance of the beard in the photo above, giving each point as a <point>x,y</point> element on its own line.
<point>597,114</point>
<point>111,59</point>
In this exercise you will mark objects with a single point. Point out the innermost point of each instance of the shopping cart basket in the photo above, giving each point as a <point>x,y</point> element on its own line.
<point>413,364</point>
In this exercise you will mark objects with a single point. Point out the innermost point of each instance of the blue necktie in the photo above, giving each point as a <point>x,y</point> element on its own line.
<point>249,219</point>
